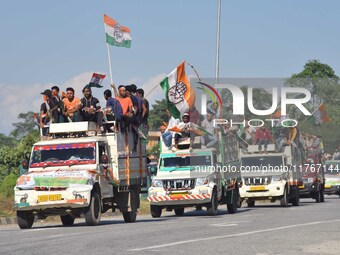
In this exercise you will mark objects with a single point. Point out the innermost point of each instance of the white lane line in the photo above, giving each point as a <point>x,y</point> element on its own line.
<point>232,235</point>
<point>223,225</point>
<point>39,229</point>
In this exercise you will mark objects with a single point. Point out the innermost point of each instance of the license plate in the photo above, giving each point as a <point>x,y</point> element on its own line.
<point>179,194</point>
<point>302,187</point>
<point>45,198</point>
<point>328,186</point>
<point>257,188</point>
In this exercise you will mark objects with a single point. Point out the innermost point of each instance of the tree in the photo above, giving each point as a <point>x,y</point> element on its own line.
<point>7,140</point>
<point>25,125</point>
<point>158,115</point>
<point>320,79</point>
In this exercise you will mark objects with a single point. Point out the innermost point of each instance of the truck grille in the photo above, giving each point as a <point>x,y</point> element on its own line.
<point>253,181</point>
<point>179,184</point>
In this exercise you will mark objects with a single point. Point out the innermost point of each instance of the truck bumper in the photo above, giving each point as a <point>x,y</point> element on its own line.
<point>262,192</point>
<point>28,200</point>
<point>332,190</point>
<point>193,197</point>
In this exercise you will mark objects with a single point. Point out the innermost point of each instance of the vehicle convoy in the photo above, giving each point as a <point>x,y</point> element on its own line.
<point>79,172</point>
<point>271,176</point>
<point>332,177</point>
<point>313,176</point>
<point>196,178</point>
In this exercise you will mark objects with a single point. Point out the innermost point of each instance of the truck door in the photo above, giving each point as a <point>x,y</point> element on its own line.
<point>106,187</point>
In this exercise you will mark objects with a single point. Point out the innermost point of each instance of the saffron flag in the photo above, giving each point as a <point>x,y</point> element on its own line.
<point>116,34</point>
<point>179,95</point>
<point>96,80</point>
<point>320,115</point>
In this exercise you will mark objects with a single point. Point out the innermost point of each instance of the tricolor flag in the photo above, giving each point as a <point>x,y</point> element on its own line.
<point>320,115</point>
<point>179,95</point>
<point>96,80</point>
<point>116,34</point>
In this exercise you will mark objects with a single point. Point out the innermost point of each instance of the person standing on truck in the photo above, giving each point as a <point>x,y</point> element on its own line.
<point>210,139</point>
<point>113,110</point>
<point>263,137</point>
<point>48,111</point>
<point>90,109</point>
<point>71,105</point>
<point>145,111</point>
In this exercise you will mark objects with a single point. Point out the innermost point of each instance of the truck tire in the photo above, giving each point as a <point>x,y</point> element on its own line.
<point>296,199</point>
<point>232,208</point>
<point>156,211</point>
<point>284,199</point>
<point>213,205</point>
<point>251,203</point>
<point>67,220</point>
<point>322,195</point>
<point>129,217</point>
<point>93,213</point>
<point>25,219</point>
<point>179,211</point>
<point>318,196</point>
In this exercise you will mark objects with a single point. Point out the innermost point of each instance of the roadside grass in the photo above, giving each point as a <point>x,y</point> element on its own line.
<point>6,206</point>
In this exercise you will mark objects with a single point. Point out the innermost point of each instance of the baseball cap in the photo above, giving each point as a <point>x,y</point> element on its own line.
<point>47,92</point>
<point>185,114</point>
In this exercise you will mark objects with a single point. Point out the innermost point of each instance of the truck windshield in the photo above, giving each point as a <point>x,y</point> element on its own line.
<point>259,162</point>
<point>173,163</point>
<point>63,155</point>
<point>332,168</point>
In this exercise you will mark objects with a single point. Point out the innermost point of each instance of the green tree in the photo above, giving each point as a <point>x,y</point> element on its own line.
<point>7,140</point>
<point>25,125</point>
<point>158,115</point>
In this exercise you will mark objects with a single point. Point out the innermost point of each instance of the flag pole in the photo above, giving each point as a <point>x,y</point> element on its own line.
<point>218,42</point>
<point>108,56</point>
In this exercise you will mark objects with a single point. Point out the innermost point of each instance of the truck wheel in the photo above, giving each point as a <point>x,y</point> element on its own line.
<point>213,205</point>
<point>296,199</point>
<point>129,217</point>
<point>25,219</point>
<point>156,211</point>
<point>67,220</point>
<point>322,195</point>
<point>93,213</point>
<point>284,199</point>
<point>318,196</point>
<point>232,208</point>
<point>179,211</point>
<point>251,203</point>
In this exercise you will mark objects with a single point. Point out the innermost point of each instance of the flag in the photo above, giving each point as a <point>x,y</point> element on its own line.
<point>96,80</point>
<point>116,34</point>
<point>179,95</point>
<point>320,115</point>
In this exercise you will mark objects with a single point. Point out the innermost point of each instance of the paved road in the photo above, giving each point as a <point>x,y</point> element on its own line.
<point>266,229</point>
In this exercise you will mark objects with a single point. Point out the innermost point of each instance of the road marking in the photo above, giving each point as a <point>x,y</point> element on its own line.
<point>223,225</point>
<point>232,235</point>
<point>39,229</point>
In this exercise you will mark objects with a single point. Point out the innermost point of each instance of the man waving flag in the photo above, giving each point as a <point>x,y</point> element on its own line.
<point>116,34</point>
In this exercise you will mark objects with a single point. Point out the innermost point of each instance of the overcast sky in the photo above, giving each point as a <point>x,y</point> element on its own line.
<point>62,42</point>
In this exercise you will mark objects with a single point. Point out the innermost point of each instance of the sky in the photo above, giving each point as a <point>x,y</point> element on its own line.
<point>45,43</point>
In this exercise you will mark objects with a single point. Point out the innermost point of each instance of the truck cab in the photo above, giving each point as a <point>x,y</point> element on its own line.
<point>188,178</point>
<point>79,173</point>
<point>313,176</point>
<point>270,176</point>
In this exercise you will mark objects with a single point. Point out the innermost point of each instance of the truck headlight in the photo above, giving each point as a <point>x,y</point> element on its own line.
<point>202,181</point>
<point>277,178</point>
<point>157,183</point>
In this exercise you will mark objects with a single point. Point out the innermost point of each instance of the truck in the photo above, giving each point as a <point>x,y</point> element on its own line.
<point>270,176</point>
<point>313,177</point>
<point>77,172</point>
<point>332,177</point>
<point>202,177</point>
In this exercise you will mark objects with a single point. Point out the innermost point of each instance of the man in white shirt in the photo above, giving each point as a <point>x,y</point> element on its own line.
<point>210,139</point>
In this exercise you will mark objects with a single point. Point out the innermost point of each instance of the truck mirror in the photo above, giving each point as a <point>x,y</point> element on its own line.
<point>104,159</point>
